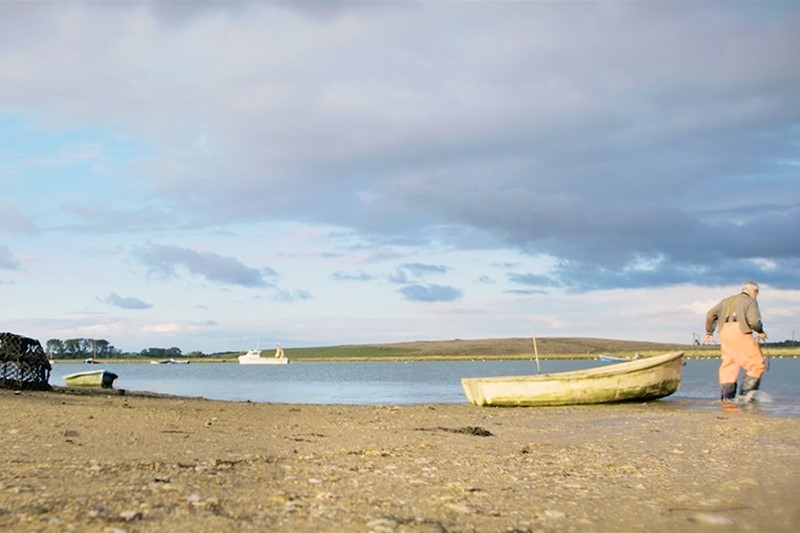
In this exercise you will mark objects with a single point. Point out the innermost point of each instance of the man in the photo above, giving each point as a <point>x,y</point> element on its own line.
<point>739,317</point>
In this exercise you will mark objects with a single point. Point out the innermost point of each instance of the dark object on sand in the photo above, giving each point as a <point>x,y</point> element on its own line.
<point>102,379</point>
<point>23,363</point>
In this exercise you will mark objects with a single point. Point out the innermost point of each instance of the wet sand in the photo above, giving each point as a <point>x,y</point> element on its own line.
<point>116,463</point>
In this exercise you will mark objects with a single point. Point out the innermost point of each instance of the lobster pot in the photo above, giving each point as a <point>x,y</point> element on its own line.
<point>23,363</point>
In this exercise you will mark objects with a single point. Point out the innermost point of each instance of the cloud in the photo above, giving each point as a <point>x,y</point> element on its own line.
<point>420,269</point>
<point>532,279</point>
<point>126,302</point>
<point>347,276</point>
<point>292,296</point>
<point>414,271</point>
<point>586,133</point>
<point>430,293</point>
<point>525,292</point>
<point>97,218</point>
<point>163,260</point>
<point>7,259</point>
<point>12,221</point>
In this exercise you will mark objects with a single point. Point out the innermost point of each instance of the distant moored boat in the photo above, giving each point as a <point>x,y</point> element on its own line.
<point>253,357</point>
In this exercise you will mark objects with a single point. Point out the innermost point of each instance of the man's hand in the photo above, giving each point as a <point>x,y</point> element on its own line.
<point>762,336</point>
<point>708,339</point>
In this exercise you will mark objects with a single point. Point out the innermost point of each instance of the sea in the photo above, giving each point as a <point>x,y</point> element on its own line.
<point>407,382</point>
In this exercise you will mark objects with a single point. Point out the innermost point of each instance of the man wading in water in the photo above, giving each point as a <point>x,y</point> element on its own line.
<point>739,317</point>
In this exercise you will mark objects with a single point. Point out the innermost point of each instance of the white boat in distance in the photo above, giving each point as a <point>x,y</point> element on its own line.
<point>253,357</point>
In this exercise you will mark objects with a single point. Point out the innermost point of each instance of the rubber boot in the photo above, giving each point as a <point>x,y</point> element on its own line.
<point>727,392</point>
<point>749,387</point>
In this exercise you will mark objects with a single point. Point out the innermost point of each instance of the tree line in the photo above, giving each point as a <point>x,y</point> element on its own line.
<point>101,349</point>
<point>80,349</point>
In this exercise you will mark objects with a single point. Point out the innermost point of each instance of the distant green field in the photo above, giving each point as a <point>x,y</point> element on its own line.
<point>351,352</point>
<point>511,348</point>
<point>458,349</point>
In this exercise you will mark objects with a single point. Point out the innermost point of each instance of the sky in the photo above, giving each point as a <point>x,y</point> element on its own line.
<point>215,176</point>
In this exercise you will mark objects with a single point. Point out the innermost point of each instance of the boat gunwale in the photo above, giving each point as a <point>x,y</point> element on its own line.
<point>626,367</point>
<point>88,373</point>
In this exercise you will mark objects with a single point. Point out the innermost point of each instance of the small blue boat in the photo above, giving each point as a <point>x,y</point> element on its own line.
<point>611,359</point>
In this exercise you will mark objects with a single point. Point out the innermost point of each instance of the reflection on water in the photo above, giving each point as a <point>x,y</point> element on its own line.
<point>404,383</point>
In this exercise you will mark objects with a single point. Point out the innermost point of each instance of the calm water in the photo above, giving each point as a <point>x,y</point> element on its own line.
<point>402,383</point>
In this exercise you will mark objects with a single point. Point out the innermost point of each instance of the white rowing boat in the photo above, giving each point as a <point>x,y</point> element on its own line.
<point>643,379</point>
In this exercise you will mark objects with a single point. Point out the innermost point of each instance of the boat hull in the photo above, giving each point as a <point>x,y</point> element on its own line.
<point>639,380</point>
<point>262,361</point>
<point>611,359</point>
<point>96,379</point>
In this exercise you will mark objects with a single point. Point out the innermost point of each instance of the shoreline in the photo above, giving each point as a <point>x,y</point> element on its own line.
<point>139,462</point>
<point>396,359</point>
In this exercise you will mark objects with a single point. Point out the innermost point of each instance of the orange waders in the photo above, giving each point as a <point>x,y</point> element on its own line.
<point>739,350</point>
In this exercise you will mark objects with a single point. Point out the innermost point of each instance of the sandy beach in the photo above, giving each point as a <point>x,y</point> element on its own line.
<point>115,463</point>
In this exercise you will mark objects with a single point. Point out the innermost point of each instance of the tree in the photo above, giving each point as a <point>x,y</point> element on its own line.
<point>80,348</point>
<point>103,347</point>
<point>174,352</point>
<point>161,353</point>
<point>73,349</point>
<point>54,348</point>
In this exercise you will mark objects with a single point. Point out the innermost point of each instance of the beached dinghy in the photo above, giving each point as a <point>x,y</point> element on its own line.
<point>640,380</point>
<point>93,378</point>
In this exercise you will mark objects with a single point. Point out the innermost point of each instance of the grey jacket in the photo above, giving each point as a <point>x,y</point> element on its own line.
<point>740,308</point>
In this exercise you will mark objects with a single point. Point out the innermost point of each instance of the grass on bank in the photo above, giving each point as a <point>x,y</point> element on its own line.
<point>460,349</point>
